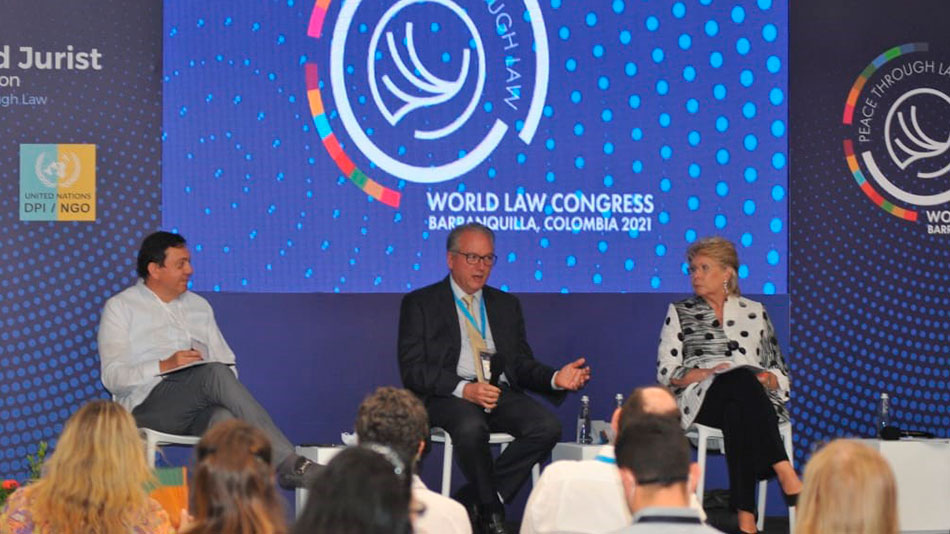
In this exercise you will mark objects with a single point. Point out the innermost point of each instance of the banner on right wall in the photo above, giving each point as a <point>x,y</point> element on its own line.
<point>869,116</point>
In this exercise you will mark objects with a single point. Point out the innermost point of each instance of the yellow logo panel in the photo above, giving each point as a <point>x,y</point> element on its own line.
<point>57,182</point>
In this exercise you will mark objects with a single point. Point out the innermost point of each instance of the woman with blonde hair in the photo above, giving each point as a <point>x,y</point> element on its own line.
<point>849,489</point>
<point>719,354</point>
<point>93,483</point>
<point>233,490</point>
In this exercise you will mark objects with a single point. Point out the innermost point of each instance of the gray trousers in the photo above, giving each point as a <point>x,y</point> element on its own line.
<point>193,400</point>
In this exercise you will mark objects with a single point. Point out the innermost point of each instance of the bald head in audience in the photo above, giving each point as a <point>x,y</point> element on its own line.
<point>595,488</point>
<point>654,400</point>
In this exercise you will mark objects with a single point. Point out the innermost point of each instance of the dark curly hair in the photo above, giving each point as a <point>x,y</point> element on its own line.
<point>393,417</point>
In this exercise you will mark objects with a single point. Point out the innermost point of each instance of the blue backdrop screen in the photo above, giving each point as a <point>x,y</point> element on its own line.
<point>330,146</point>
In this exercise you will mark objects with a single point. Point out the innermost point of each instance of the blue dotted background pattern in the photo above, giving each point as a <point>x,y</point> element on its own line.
<point>870,306</point>
<point>684,101</point>
<point>56,276</point>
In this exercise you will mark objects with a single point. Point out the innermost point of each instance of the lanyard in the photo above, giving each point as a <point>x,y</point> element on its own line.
<point>468,314</point>
<point>605,459</point>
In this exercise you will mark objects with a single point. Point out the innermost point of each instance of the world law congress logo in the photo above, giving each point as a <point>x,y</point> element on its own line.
<point>425,90</point>
<point>898,145</point>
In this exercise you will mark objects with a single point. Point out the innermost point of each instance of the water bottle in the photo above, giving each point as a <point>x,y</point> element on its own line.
<point>883,413</point>
<point>618,399</point>
<point>583,422</point>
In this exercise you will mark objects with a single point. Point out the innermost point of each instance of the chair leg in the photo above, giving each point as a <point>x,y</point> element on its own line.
<point>786,432</point>
<point>151,450</point>
<point>789,450</point>
<point>300,501</point>
<point>702,443</point>
<point>447,466</point>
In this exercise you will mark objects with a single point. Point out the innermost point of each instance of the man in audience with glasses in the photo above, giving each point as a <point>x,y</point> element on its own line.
<point>463,349</point>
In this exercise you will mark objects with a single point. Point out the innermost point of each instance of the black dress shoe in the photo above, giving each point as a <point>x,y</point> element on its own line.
<point>466,497</point>
<point>300,474</point>
<point>494,523</point>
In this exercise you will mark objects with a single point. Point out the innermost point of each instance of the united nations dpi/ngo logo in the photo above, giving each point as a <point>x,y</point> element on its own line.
<point>61,172</point>
<point>897,146</point>
<point>426,90</point>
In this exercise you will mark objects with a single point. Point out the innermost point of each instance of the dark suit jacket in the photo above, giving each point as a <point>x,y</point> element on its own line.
<point>430,341</point>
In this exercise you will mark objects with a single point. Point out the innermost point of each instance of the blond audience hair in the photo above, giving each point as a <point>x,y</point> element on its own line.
<point>95,481</point>
<point>849,489</point>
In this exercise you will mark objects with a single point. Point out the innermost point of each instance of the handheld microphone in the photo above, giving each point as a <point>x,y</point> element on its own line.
<point>497,368</point>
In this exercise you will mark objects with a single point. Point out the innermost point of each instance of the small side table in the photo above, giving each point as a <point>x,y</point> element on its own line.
<point>922,472</point>
<point>321,454</point>
<point>574,451</point>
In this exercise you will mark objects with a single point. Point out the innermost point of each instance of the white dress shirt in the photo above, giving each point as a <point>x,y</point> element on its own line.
<point>442,516</point>
<point>466,366</point>
<point>581,497</point>
<point>137,329</point>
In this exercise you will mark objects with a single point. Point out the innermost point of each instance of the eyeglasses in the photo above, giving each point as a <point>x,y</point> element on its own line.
<point>471,258</point>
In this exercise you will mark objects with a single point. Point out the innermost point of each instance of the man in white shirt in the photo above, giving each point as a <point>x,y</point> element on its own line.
<point>397,419</point>
<point>165,360</point>
<point>658,477</point>
<point>586,497</point>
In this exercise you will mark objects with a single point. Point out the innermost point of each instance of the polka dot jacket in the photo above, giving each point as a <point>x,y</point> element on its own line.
<point>692,337</point>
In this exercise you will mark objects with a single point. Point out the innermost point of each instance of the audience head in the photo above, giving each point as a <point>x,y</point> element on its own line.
<point>95,479</point>
<point>153,250</point>
<point>654,400</point>
<point>233,490</point>
<point>849,489</point>
<point>722,252</point>
<point>653,456</point>
<point>395,418</point>
<point>363,490</point>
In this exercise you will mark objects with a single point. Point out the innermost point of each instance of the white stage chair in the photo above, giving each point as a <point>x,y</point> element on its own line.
<point>439,435</point>
<point>707,437</point>
<point>154,439</point>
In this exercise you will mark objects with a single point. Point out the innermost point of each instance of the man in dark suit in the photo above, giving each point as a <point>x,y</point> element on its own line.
<point>446,333</point>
